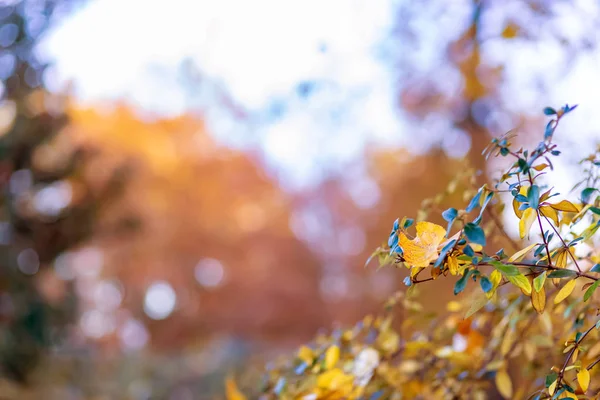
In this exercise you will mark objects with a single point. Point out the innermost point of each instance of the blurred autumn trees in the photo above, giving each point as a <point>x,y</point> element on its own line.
<point>102,204</point>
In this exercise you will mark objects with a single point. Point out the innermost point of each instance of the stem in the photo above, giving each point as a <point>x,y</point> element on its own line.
<point>539,220</point>
<point>563,242</point>
<point>570,355</point>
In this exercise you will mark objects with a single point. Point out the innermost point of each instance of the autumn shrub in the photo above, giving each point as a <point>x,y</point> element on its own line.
<point>528,330</point>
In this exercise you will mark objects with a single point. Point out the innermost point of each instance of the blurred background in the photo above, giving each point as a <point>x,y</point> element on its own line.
<point>190,187</point>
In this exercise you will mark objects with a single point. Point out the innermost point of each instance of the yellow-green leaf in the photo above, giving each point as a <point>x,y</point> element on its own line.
<point>332,355</point>
<point>521,282</point>
<point>552,387</point>
<point>565,291</point>
<point>478,302</point>
<point>526,222</point>
<point>538,282</point>
<point>565,205</point>
<point>538,300</point>
<point>495,278</point>
<point>231,390</point>
<point>518,256</point>
<point>583,378</point>
<point>504,384</point>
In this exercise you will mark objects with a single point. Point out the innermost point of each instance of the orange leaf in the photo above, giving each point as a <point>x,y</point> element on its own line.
<point>422,250</point>
<point>232,392</point>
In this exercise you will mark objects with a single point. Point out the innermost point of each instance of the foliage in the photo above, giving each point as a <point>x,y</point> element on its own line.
<point>46,207</point>
<point>507,335</point>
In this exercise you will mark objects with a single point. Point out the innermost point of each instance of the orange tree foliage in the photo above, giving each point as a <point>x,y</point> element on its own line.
<point>529,329</point>
<point>195,199</point>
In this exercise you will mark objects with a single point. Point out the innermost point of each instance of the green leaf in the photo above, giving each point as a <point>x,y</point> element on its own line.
<point>562,273</point>
<point>590,291</point>
<point>474,233</point>
<point>550,379</point>
<point>538,282</point>
<point>549,111</point>
<point>507,270</point>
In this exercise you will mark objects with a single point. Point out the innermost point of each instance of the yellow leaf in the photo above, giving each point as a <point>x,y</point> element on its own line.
<point>332,355</point>
<point>538,300</point>
<point>541,167</point>
<point>306,354</point>
<point>518,256</point>
<point>565,205</point>
<point>526,222</point>
<point>231,390</point>
<point>583,378</point>
<point>507,342</point>
<point>511,30</point>
<point>453,306</point>
<point>515,205</point>
<point>550,213</point>
<point>422,250</point>
<point>521,282</point>
<point>452,265</point>
<point>388,341</point>
<point>560,259</point>
<point>504,384</point>
<point>546,195</point>
<point>476,247</point>
<point>565,291</point>
<point>552,388</point>
<point>334,379</point>
<point>495,278</point>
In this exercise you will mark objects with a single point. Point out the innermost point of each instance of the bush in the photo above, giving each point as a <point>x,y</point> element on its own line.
<point>530,328</point>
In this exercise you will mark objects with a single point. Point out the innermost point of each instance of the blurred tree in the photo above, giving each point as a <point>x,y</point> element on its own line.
<point>215,229</point>
<point>46,207</point>
<point>467,70</point>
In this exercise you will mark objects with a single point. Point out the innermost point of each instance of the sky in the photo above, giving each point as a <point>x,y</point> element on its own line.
<point>260,52</point>
<point>310,74</point>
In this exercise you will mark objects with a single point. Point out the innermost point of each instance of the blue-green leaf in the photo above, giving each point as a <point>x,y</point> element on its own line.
<point>460,284</point>
<point>533,196</point>
<point>586,194</point>
<point>450,214</point>
<point>474,233</point>
<point>486,284</point>
<point>474,202</point>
